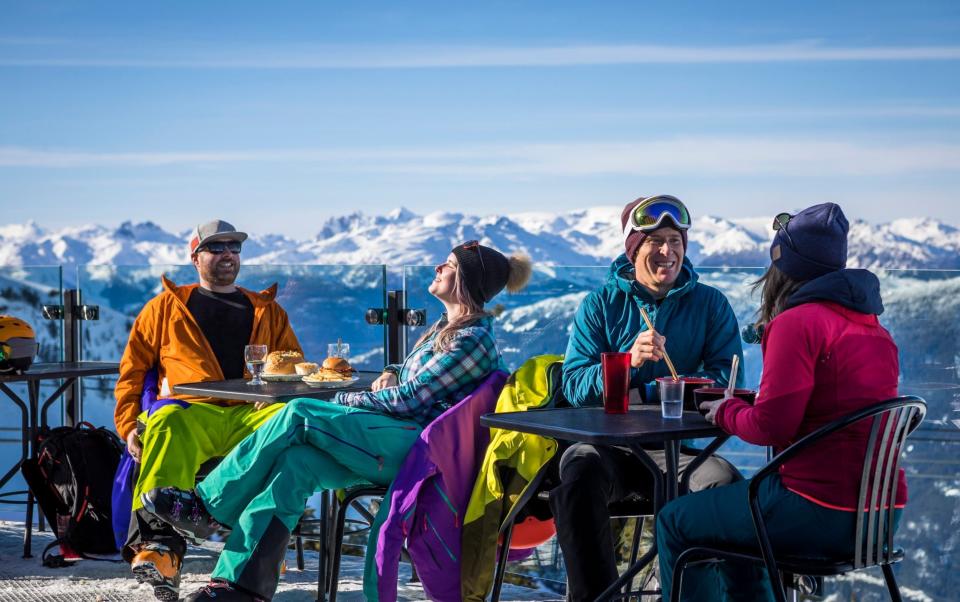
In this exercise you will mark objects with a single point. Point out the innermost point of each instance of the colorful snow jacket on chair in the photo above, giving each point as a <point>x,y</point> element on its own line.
<point>426,501</point>
<point>511,462</point>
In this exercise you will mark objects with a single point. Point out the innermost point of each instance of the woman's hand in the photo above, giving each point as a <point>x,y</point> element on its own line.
<point>259,405</point>
<point>712,407</point>
<point>133,446</point>
<point>649,346</point>
<point>387,379</point>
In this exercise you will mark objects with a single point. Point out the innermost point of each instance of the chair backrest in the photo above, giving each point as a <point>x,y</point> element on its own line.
<point>891,423</point>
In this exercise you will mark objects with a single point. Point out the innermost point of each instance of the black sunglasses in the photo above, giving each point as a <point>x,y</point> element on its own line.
<point>475,246</point>
<point>780,222</point>
<point>220,247</point>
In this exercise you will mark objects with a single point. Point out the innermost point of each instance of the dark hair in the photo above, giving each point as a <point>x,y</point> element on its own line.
<point>777,288</point>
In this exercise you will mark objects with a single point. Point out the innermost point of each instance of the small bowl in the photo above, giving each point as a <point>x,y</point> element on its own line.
<point>691,384</point>
<point>714,393</point>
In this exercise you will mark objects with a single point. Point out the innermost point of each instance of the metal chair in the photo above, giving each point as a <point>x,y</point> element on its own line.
<point>891,422</point>
<point>327,580</point>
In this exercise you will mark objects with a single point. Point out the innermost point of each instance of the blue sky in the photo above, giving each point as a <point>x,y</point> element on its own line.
<point>277,115</point>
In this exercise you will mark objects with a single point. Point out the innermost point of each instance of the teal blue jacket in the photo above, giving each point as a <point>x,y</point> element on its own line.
<point>697,320</point>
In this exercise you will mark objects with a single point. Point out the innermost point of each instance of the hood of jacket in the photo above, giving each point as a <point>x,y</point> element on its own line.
<point>855,289</point>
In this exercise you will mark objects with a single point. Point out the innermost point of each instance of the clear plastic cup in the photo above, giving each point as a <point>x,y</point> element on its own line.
<point>341,350</point>
<point>671,397</point>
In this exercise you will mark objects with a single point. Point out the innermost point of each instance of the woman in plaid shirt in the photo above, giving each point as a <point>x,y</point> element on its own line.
<point>260,488</point>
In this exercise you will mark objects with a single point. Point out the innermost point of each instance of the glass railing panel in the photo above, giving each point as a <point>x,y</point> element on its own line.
<point>23,292</point>
<point>922,312</point>
<point>324,303</point>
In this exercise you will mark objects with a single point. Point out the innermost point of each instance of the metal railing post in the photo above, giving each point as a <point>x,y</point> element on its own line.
<point>395,317</point>
<point>72,343</point>
<point>72,312</point>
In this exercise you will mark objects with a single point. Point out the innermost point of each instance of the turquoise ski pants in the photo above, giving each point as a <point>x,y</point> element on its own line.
<point>261,487</point>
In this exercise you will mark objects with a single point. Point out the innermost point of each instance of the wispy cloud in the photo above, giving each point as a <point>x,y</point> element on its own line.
<point>183,56</point>
<point>748,156</point>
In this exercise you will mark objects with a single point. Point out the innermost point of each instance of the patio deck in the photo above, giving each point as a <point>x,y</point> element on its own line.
<point>27,580</point>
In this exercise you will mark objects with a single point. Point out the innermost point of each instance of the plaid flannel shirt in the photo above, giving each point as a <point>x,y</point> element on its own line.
<point>429,382</point>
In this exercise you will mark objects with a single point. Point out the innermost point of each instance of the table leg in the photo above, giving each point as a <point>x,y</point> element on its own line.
<point>42,422</point>
<point>659,490</point>
<point>671,455</point>
<point>24,433</point>
<point>666,488</point>
<point>33,388</point>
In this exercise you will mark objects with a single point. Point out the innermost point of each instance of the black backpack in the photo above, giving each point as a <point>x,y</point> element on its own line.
<point>72,480</point>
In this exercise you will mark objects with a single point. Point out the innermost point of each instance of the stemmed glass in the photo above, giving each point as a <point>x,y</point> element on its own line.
<point>255,356</point>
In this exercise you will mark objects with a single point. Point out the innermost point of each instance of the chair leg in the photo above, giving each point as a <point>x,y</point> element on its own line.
<point>337,548</point>
<point>28,528</point>
<point>322,585</point>
<point>634,550</point>
<point>891,583</point>
<point>502,564</point>
<point>298,542</point>
<point>677,578</point>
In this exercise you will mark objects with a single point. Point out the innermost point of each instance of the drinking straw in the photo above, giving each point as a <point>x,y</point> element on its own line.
<point>666,357</point>
<point>734,367</point>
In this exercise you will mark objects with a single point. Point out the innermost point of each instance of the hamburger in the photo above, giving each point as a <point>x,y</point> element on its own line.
<point>339,365</point>
<point>282,362</point>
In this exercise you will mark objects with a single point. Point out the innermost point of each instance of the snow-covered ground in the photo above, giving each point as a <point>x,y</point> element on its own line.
<point>27,580</point>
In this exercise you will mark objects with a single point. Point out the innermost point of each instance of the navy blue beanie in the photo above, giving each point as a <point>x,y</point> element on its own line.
<point>812,243</point>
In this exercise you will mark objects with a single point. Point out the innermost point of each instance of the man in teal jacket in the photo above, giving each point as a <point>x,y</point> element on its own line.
<point>696,326</point>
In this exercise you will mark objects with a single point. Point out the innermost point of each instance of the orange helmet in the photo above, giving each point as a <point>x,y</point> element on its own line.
<point>18,345</point>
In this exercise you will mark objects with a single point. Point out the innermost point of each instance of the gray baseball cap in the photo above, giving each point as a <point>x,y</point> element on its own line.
<point>214,230</point>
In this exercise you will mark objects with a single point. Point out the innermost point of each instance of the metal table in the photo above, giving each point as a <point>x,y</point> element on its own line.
<point>33,415</point>
<point>237,389</point>
<point>642,425</point>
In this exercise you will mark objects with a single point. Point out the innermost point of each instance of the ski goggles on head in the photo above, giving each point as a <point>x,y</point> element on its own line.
<point>651,212</point>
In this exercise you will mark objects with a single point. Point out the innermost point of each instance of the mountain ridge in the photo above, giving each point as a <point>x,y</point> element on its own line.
<point>583,237</point>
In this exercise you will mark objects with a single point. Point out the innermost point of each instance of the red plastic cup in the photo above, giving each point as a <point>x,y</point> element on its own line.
<point>715,393</point>
<point>616,381</point>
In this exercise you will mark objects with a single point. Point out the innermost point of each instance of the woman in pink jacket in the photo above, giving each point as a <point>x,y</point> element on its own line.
<point>825,355</point>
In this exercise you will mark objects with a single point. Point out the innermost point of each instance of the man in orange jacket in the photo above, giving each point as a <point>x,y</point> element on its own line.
<point>190,333</point>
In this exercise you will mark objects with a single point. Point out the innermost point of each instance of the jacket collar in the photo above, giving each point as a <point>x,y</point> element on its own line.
<point>623,277</point>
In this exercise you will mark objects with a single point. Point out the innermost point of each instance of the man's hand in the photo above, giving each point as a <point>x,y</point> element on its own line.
<point>387,379</point>
<point>134,446</point>
<point>649,346</point>
<point>712,407</point>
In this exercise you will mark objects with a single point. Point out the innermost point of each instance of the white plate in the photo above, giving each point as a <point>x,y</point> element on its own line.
<point>331,384</point>
<point>277,378</point>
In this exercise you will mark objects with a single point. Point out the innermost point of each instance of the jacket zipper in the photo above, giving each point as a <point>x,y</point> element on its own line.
<point>428,522</point>
<point>446,500</point>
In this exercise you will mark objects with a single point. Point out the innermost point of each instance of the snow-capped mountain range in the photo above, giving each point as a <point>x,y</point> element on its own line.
<point>584,237</point>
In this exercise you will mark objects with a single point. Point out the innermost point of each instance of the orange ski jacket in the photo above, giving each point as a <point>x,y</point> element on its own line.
<point>166,336</point>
